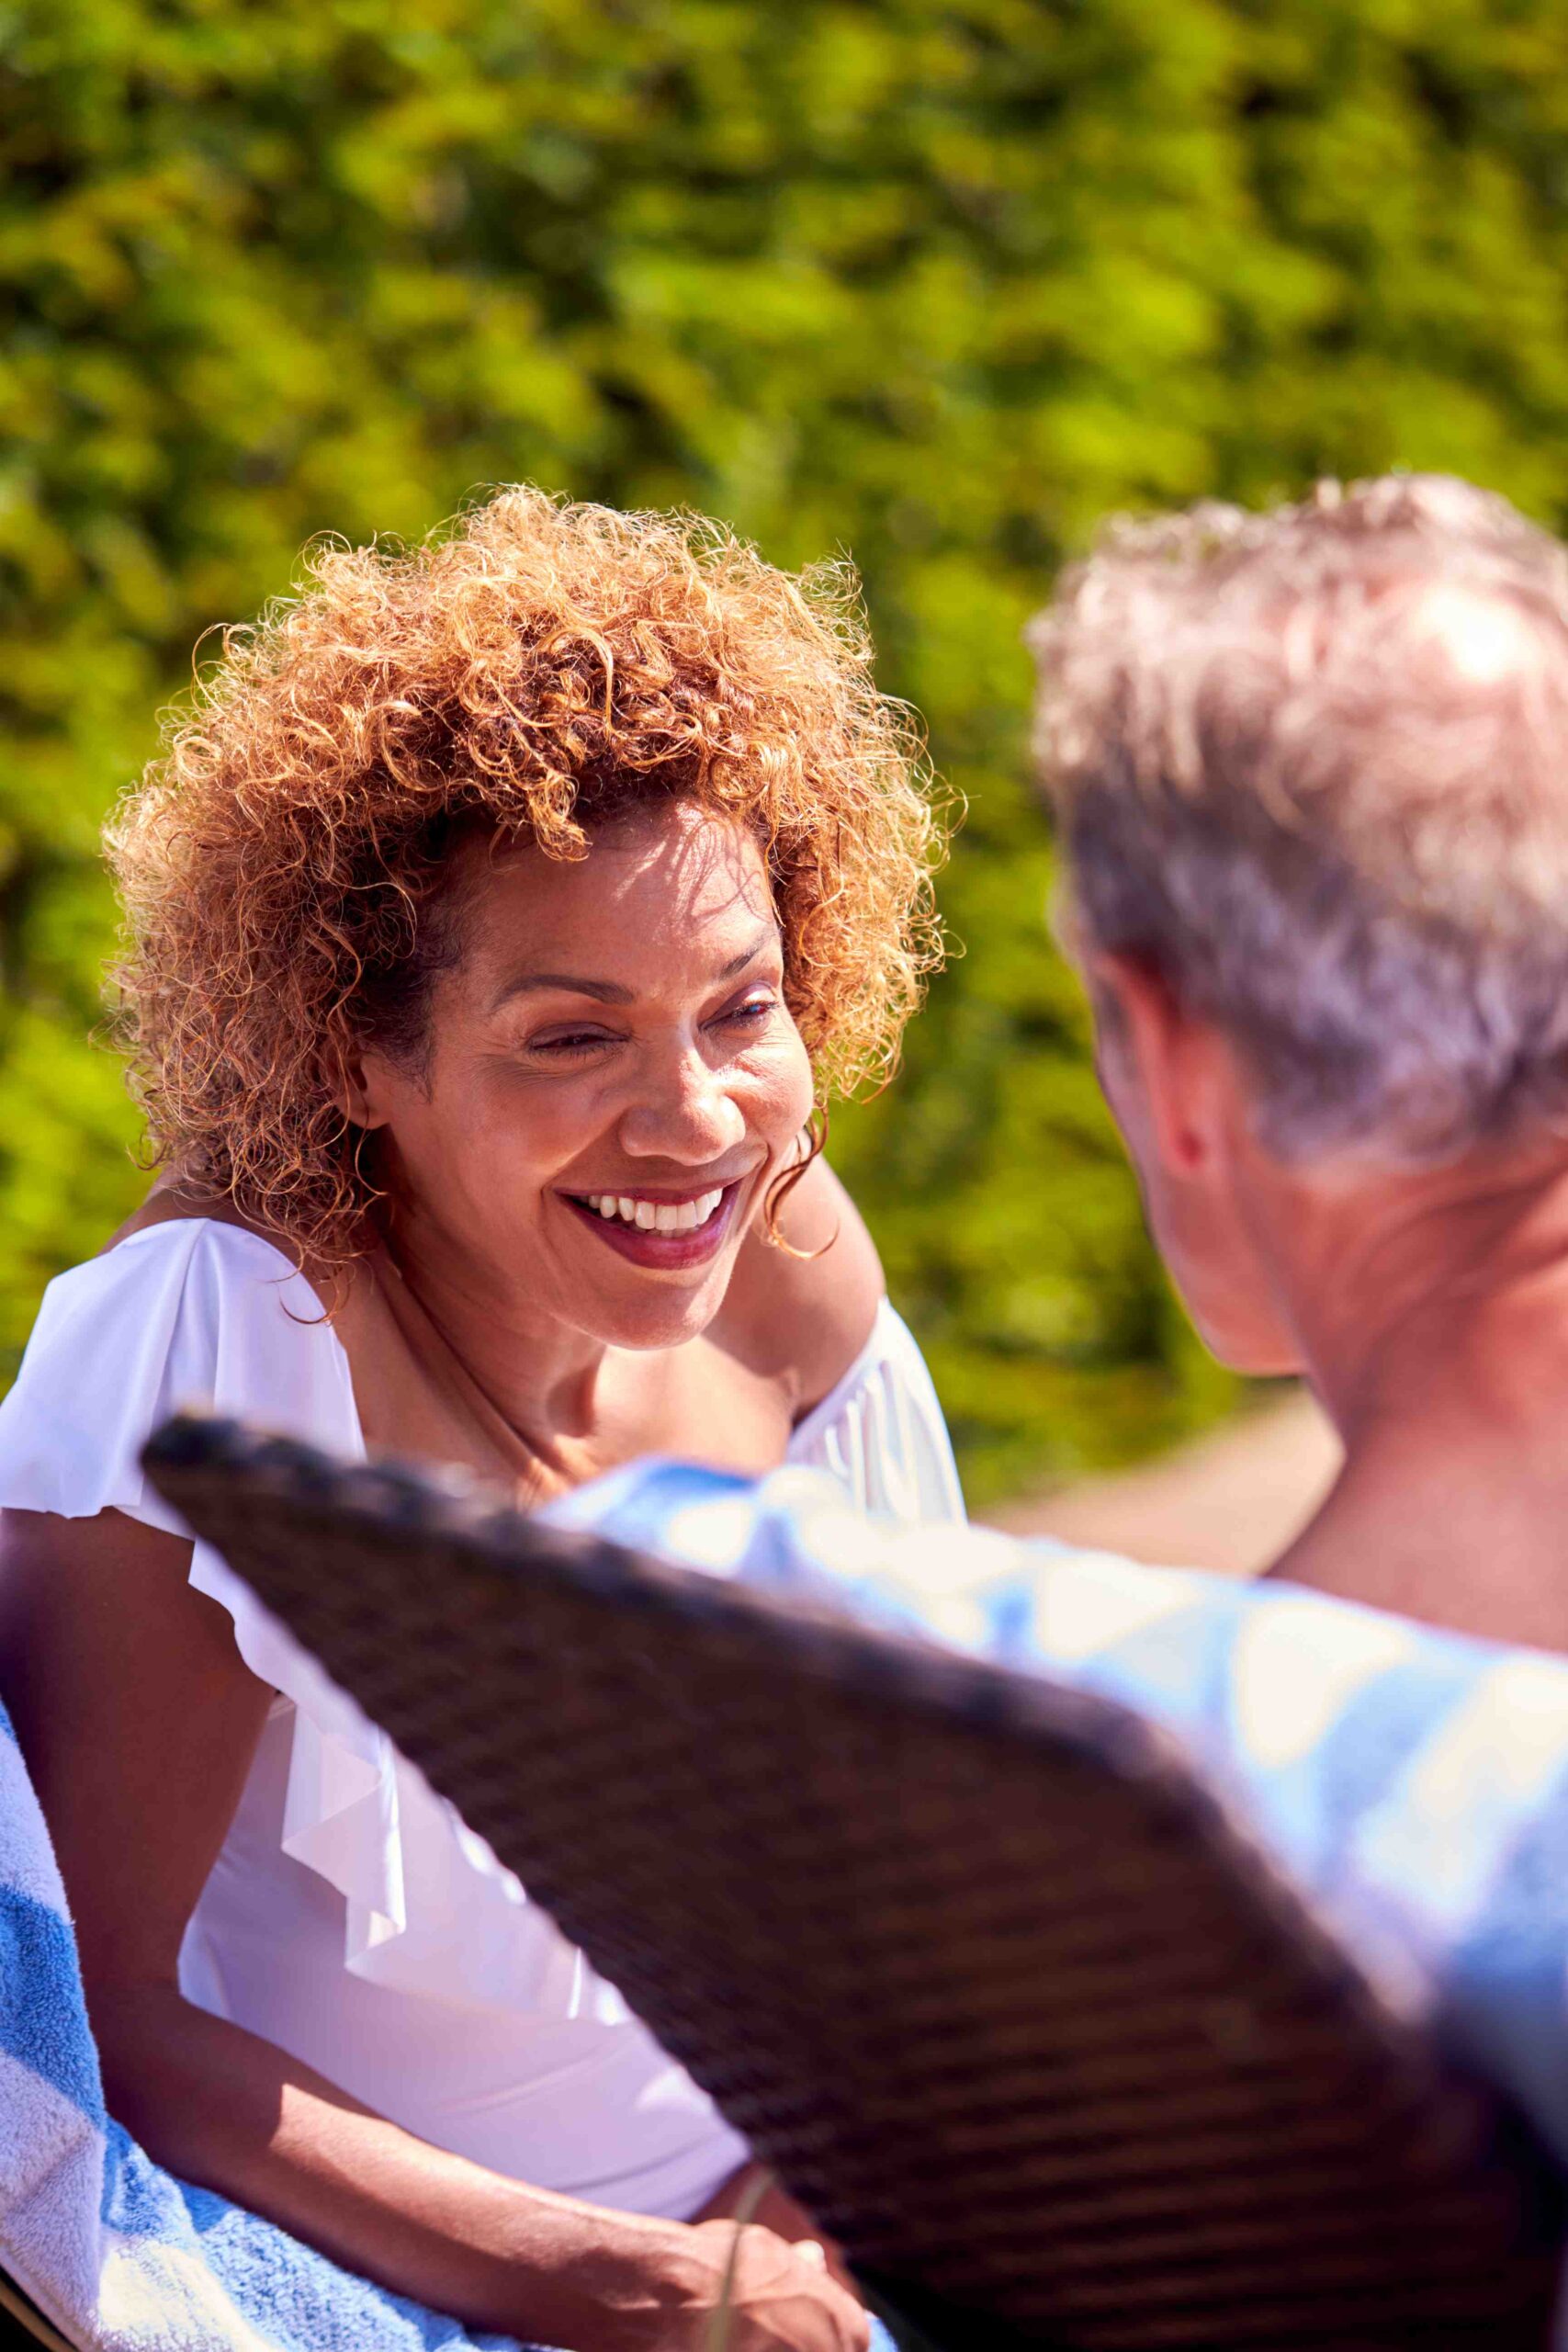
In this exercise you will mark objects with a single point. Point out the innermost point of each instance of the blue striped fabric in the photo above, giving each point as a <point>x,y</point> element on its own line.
<point>119,2254</point>
<point>1411,1783</point>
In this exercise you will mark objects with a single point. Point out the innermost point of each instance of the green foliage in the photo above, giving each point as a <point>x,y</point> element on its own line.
<point>935,284</point>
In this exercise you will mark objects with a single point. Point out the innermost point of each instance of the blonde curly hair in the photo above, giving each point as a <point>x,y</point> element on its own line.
<point>286,866</point>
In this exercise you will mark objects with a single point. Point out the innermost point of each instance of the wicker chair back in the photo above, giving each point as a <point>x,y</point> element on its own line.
<point>1000,1991</point>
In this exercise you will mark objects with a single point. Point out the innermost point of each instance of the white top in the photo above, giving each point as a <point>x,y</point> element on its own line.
<point>351,1917</point>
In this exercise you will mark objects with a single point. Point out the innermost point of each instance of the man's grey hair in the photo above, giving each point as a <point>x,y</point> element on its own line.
<point>1312,766</point>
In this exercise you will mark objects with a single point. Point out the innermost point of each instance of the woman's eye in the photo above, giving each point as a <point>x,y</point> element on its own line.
<point>750,1015</point>
<point>571,1041</point>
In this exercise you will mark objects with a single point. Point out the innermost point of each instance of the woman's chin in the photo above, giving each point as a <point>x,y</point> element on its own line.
<point>662,1302</point>
<point>659,1314</point>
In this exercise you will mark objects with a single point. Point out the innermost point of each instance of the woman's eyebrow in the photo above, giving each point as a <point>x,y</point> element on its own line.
<point>611,992</point>
<point>523,983</point>
<point>766,937</point>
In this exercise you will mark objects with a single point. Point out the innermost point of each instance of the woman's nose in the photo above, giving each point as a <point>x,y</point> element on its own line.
<point>688,1114</point>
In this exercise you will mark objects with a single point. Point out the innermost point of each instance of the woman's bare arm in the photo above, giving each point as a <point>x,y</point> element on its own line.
<point>139,1720</point>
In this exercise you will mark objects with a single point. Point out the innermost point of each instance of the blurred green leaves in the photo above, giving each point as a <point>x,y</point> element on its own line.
<point>934,284</point>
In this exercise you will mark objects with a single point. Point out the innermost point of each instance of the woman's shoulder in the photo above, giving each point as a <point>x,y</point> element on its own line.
<point>188,1217</point>
<point>200,1247</point>
<point>185,1272</point>
<point>860,1402</point>
<point>176,1311</point>
<point>802,1316</point>
<point>180,1269</point>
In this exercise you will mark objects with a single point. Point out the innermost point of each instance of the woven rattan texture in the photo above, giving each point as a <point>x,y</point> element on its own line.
<point>994,1986</point>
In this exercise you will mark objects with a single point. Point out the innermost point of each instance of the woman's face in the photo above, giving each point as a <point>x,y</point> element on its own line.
<point>613,1080</point>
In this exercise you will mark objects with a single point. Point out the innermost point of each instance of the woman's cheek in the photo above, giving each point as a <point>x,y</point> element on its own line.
<point>526,1130</point>
<point>784,1091</point>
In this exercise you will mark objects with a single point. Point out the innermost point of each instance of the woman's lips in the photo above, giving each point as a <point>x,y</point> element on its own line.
<point>661,1252</point>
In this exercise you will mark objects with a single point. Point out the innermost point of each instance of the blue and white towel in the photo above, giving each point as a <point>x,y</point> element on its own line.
<point>1413,1784</point>
<point>118,2254</point>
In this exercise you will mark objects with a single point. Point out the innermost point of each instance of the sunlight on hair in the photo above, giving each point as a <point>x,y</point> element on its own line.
<point>1306,765</point>
<point>1484,638</point>
<point>529,675</point>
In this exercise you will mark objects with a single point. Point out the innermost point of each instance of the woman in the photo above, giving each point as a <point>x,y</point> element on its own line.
<point>497,921</point>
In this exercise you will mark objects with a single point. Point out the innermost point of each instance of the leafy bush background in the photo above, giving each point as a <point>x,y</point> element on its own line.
<point>934,284</point>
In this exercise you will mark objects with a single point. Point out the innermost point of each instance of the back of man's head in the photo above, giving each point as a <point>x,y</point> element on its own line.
<point>1312,766</point>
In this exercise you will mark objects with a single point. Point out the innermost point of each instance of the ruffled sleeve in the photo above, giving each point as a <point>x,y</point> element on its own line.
<point>187,1313</point>
<point>880,1433</point>
<point>196,1313</point>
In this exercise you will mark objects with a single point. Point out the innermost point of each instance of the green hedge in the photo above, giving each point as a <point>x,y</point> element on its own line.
<point>934,284</point>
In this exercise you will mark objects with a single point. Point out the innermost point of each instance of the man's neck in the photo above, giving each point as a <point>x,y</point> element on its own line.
<point>1438,1340</point>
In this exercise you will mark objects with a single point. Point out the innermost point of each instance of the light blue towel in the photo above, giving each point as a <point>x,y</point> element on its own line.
<point>1413,1784</point>
<point>120,2255</point>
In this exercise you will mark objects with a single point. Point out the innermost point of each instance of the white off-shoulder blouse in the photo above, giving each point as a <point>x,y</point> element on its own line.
<point>351,1917</point>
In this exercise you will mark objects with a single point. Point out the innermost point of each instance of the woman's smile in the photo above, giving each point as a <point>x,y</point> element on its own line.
<point>613,1051</point>
<point>662,1231</point>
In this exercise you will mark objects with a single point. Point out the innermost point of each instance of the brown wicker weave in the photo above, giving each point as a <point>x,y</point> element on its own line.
<point>974,1964</point>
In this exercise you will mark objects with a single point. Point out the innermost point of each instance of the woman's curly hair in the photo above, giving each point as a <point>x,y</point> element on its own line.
<point>283,866</point>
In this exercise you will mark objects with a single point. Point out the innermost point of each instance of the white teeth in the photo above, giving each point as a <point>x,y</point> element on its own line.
<point>655,1217</point>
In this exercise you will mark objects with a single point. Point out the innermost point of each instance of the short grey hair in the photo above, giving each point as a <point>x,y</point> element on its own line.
<point>1312,765</point>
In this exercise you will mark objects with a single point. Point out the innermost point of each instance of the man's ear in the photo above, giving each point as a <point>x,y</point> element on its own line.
<point>1158,1059</point>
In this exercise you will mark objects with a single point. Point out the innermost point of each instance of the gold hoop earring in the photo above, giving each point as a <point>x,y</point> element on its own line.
<point>814,1136</point>
<point>370,1189</point>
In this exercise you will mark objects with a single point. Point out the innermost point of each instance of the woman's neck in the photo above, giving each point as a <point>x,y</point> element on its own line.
<point>543,1378</point>
<point>1435,1324</point>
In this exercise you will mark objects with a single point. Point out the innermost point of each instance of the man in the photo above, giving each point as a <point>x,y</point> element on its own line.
<point>1309,771</point>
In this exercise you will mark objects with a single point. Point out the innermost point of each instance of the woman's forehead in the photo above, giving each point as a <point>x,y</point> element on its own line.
<point>669,887</point>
